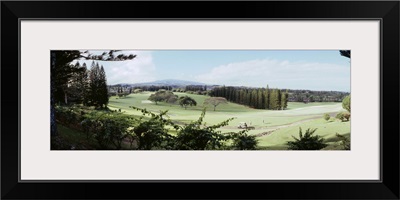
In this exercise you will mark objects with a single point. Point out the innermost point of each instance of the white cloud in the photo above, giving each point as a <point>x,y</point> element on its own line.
<point>140,69</point>
<point>281,74</point>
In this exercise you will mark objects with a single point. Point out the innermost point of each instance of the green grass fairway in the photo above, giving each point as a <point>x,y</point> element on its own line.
<point>283,123</point>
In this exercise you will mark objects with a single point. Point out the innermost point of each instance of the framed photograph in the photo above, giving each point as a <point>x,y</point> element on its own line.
<point>117,97</point>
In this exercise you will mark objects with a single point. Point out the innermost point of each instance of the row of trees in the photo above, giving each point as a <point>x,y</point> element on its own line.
<point>153,88</point>
<point>195,88</point>
<point>163,96</point>
<point>88,87</point>
<point>260,98</point>
<point>61,71</point>
<point>171,98</point>
<point>315,96</point>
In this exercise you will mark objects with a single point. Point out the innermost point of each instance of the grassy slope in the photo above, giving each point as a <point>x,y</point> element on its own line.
<point>325,129</point>
<point>75,138</point>
<point>262,120</point>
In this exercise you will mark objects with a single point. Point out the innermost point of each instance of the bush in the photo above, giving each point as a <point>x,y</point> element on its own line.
<point>110,128</point>
<point>343,141</point>
<point>107,127</point>
<point>197,136</point>
<point>346,103</point>
<point>346,116</point>
<point>242,141</point>
<point>343,116</point>
<point>327,116</point>
<point>307,141</point>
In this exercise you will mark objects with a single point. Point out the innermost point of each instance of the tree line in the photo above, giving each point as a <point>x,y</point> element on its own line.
<point>259,98</point>
<point>153,88</point>
<point>196,88</point>
<point>61,71</point>
<point>88,87</point>
<point>315,96</point>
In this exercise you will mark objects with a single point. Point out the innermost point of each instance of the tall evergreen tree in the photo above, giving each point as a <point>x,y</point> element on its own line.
<point>284,99</point>
<point>253,98</point>
<point>260,99</point>
<point>77,84</point>
<point>103,91</point>
<point>272,99</point>
<point>98,86</point>
<point>85,85</point>
<point>267,98</point>
<point>60,72</point>
<point>93,84</point>
<point>278,101</point>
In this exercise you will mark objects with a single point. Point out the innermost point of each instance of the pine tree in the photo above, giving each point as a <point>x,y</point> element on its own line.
<point>248,97</point>
<point>260,99</point>
<point>267,98</point>
<point>284,100</point>
<point>253,98</point>
<point>272,99</point>
<point>85,85</point>
<point>98,92</point>
<point>92,84</point>
<point>60,71</point>
<point>77,84</point>
<point>278,101</point>
<point>103,92</point>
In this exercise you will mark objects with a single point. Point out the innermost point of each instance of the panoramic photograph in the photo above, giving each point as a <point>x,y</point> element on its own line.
<point>200,100</point>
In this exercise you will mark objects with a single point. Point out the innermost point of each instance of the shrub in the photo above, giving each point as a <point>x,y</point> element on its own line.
<point>152,133</point>
<point>343,141</point>
<point>196,136</point>
<point>346,116</point>
<point>346,103</point>
<point>343,116</point>
<point>307,141</point>
<point>107,127</point>
<point>243,141</point>
<point>327,116</point>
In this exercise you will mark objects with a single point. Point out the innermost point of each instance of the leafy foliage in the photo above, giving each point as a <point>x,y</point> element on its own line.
<point>243,141</point>
<point>187,101</point>
<point>98,86</point>
<point>196,136</point>
<point>344,141</point>
<point>327,116</point>
<point>307,141</point>
<point>152,133</point>
<point>61,71</point>
<point>343,116</point>
<point>346,103</point>
<point>345,53</point>
<point>106,127</point>
<point>215,101</point>
<point>163,95</point>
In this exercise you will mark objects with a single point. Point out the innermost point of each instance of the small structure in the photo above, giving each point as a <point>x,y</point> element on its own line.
<point>242,125</point>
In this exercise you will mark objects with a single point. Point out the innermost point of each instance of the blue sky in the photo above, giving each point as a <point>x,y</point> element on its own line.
<point>303,69</point>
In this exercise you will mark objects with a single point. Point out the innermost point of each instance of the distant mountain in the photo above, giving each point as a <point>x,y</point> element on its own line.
<point>166,82</point>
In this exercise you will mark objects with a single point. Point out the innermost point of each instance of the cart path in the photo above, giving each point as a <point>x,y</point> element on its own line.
<point>275,128</point>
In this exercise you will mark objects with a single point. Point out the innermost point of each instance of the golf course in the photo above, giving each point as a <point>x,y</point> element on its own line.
<point>272,128</point>
<point>201,100</point>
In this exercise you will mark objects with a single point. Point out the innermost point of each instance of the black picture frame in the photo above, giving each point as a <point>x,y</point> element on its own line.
<point>386,11</point>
